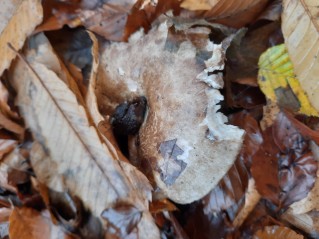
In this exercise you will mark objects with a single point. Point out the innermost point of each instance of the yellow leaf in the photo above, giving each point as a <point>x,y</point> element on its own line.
<point>278,82</point>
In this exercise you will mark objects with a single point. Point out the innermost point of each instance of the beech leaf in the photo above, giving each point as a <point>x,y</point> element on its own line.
<point>300,27</point>
<point>79,160</point>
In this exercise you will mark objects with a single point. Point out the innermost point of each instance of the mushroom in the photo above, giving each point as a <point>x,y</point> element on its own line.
<point>184,138</point>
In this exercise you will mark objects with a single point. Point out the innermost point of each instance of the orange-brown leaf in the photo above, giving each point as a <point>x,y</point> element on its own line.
<point>232,13</point>
<point>27,223</point>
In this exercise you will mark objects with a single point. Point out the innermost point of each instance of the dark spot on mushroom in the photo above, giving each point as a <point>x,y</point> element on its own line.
<point>127,120</point>
<point>129,116</point>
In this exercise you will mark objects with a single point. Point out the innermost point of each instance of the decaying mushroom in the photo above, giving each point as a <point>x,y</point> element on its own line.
<point>184,138</point>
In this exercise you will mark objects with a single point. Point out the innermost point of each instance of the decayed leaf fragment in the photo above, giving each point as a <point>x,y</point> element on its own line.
<point>189,150</point>
<point>69,145</point>
<point>17,21</point>
<point>300,27</point>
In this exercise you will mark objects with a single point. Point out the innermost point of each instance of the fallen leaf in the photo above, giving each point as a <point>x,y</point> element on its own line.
<point>194,5</point>
<point>244,52</point>
<point>244,96</point>
<point>272,12</point>
<point>309,203</point>
<point>56,14</point>
<point>6,146</point>
<point>262,216</point>
<point>18,20</point>
<point>229,195</point>
<point>253,135</point>
<point>14,171</point>
<point>198,224</point>
<point>41,51</point>
<point>277,80</point>
<point>108,20</point>
<point>288,166</point>
<point>5,108</point>
<point>79,160</point>
<point>149,66</point>
<point>115,20</point>
<point>252,198</point>
<point>229,13</point>
<point>300,27</point>
<point>29,223</point>
<point>123,219</point>
<point>157,206</point>
<point>10,125</point>
<point>169,226</point>
<point>307,222</point>
<point>276,232</point>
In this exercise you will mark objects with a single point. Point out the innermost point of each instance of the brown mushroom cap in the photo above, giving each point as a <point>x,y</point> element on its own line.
<point>182,111</point>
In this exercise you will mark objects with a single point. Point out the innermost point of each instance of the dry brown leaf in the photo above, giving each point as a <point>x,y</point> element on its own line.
<point>27,223</point>
<point>68,143</point>
<point>17,21</point>
<point>308,222</point>
<point>5,108</point>
<point>232,13</point>
<point>11,125</point>
<point>311,202</point>
<point>115,20</point>
<point>13,167</point>
<point>276,232</point>
<point>300,26</point>
<point>108,20</point>
<point>229,194</point>
<point>187,161</point>
<point>6,146</point>
<point>194,5</point>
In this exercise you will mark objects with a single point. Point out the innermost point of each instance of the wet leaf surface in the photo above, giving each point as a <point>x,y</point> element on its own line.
<point>288,169</point>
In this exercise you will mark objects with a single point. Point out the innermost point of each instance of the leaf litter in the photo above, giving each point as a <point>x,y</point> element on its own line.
<point>182,167</point>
